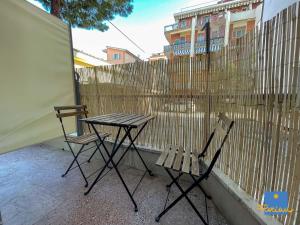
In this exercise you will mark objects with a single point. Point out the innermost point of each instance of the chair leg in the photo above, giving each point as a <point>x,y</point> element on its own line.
<point>75,157</point>
<point>183,194</point>
<point>97,149</point>
<point>177,178</point>
<point>203,191</point>
<point>75,160</point>
<point>109,158</point>
<point>89,160</point>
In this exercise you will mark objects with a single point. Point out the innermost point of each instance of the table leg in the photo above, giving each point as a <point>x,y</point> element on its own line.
<point>114,151</point>
<point>109,157</point>
<point>131,142</point>
<point>135,148</point>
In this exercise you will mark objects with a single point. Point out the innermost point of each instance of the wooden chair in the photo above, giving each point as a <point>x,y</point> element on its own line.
<point>83,140</point>
<point>187,162</point>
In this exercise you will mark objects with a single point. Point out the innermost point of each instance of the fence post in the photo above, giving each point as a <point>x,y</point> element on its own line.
<point>76,77</point>
<point>78,102</point>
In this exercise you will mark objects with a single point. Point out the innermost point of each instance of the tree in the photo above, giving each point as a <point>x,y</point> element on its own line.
<point>88,14</point>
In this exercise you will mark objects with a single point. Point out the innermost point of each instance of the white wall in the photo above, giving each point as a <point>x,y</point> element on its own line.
<point>35,74</point>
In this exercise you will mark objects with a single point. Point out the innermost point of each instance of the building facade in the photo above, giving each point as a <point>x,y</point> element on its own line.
<point>83,59</point>
<point>157,57</point>
<point>119,56</point>
<point>228,20</point>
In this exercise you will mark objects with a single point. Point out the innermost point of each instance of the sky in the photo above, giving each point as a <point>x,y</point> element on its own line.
<point>145,26</point>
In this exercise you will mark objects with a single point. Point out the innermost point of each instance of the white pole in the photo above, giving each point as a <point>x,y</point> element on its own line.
<point>192,53</point>
<point>227,28</point>
<point>193,36</point>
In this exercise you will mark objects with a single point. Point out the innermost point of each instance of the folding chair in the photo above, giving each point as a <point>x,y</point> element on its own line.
<point>83,140</point>
<point>186,162</point>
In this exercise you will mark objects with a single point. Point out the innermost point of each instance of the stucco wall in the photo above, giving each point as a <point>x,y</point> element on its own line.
<point>110,53</point>
<point>125,57</point>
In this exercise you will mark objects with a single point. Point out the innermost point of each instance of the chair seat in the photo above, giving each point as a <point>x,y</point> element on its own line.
<point>86,138</point>
<point>178,159</point>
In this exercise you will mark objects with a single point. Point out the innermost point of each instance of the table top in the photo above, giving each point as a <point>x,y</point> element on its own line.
<point>119,120</point>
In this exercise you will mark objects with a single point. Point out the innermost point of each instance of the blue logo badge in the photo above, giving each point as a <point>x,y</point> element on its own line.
<point>277,202</point>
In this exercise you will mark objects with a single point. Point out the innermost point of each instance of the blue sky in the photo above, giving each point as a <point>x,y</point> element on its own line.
<point>145,25</point>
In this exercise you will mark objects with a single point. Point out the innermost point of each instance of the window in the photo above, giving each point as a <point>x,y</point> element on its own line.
<point>116,56</point>
<point>183,23</point>
<point>182,40</point>
<point>201,38</point>
<point>205,19</point>
<point>239,32</point>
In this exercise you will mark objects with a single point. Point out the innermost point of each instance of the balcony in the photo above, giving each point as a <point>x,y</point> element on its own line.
<point>244,15</point>
<point>176,26</point>
<point>200,47</point>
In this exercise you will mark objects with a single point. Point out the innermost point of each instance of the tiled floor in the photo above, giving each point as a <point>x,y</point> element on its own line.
<point>33,192</point>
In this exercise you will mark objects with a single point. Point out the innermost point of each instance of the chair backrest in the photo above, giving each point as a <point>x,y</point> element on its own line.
<point>69,111</point>
<point>220,132</point>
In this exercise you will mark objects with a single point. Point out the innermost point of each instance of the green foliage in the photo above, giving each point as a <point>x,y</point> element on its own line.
<point>89,14</point>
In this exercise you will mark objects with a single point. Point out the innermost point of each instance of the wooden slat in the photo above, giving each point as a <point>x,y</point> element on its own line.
<point>85,139</point>
<point>195,165</point>
<point>129,120</point>
<point>170,158</point>
<point>186,162</point>
<point>163,156</point>
<point>114,119</point>
<point>225,119</point>
<point>61,115</point>
<point>178,159</point>
<point>120,119</point>
<point>106,117</point>
<point>112,115</point>
<point>140,122</point>
<point>220,131</point>
<point>69,107</point>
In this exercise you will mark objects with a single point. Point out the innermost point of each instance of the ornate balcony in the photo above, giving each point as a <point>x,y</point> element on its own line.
<point>176,26</point>
<point>200,47</point>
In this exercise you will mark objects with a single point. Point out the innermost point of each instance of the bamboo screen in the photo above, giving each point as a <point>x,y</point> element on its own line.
<point>255,80</point>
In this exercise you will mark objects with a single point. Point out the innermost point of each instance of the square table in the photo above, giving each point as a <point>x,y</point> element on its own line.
<point>127,122</point>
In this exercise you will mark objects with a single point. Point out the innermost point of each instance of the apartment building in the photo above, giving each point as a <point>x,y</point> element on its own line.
<point>116,55</point>
<point>229,20</point>
<point>157,56</point>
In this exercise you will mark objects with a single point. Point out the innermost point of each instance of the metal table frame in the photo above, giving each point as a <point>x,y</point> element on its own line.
<point>116,147</point>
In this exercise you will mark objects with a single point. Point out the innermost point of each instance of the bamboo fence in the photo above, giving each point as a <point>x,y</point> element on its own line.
<point>255,80</point>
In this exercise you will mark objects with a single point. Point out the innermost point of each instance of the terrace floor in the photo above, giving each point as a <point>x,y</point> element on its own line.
<point>33,192</point>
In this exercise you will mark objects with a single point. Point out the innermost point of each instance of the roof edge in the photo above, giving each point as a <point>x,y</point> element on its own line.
<point>213,8</point>
<point>122,49</point>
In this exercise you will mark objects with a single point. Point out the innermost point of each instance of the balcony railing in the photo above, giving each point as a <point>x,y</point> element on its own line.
<point>200,47</point>
<point>177,26</point>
